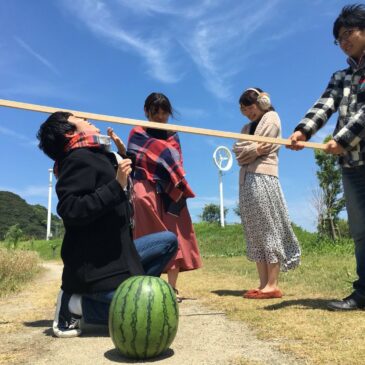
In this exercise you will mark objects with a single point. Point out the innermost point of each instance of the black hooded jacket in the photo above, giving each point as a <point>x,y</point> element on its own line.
<point>98,250</point>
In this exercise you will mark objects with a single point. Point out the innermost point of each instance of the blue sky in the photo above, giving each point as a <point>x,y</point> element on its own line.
<point>107,56</point>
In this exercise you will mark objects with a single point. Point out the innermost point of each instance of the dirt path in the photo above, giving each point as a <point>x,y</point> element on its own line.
<point>204,336</point>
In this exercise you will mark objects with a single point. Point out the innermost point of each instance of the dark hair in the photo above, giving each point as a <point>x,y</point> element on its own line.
<point>156,101</point>
<point>52,134</point>
<point>249,97</point>
<point>351,16</point>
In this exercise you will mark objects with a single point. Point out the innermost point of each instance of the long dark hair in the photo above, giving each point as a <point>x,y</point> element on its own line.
<point>156,101</point>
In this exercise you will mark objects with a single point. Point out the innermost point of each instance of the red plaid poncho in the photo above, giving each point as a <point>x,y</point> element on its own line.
<point>160,161</point>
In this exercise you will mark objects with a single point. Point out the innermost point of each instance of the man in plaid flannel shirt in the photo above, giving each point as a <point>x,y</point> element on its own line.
<point>345,93</point>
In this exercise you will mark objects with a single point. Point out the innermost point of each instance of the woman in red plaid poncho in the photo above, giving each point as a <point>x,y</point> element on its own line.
<point>160,187</point>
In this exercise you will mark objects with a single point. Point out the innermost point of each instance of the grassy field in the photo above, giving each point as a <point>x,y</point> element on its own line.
<point>299,323</point>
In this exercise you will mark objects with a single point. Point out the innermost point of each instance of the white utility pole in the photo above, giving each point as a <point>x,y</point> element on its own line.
<point>49,235</point>
<point>220,173</point>
<point>223,159</point>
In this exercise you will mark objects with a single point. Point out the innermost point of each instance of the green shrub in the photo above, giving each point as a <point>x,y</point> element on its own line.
<point>315,243</point>
<point>47,250</point>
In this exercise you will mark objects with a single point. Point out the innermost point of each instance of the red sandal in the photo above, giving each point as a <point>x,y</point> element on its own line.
<point>250,293</point>
<point>275,294</point>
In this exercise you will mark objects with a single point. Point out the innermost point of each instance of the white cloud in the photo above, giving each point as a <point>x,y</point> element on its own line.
<point>18,136</point>
<point>278,36</point>
<point>27,85</point>
<point>29,191</point>
<point>215,43</point>
<point>192,113</point>
<point>36,55</point>
<point>219,46</point>
<point>98,17</point>
<point>200,201</point>
<point>169,7</point>
<point>216,142</point>
<point>32,190</point>
<point>197,205</point>
<point>302,214</point>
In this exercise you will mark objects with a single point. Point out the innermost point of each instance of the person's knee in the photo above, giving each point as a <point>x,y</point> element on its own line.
<point>171,241</point>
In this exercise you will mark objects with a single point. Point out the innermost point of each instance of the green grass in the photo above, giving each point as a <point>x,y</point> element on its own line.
<point>215,241</point>
<point>299,323</point>
<point>42,247</point>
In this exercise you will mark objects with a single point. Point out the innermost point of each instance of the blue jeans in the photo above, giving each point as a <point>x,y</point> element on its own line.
<point>354,188</point>
<point>155,251</point>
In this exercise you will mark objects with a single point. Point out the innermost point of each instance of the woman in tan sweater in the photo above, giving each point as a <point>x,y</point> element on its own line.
<point>270,240</point>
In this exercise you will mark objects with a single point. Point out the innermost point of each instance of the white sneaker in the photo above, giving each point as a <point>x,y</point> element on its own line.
<point>65,324</point>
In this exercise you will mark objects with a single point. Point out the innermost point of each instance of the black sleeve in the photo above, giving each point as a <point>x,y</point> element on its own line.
<point>81,201</point>
<point>132,157</point>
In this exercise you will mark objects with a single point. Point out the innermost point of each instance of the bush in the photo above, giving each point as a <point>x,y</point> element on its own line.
<point>13,235</point>
<point>47,250</point>
<point>212,213</point>
<point>315,243</point>
<point>16,268</point>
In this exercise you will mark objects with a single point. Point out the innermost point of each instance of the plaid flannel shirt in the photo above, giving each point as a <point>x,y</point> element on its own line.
<point>345,93</point>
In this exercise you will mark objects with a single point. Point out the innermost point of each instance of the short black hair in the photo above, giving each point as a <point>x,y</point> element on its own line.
<point>351,16</point>
<point>52,134</point>
<point>156,101</point>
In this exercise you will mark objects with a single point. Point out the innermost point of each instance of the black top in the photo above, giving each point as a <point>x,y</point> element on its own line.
<point>97,250</point>
<point>253,127</point>
<point>158,133</point>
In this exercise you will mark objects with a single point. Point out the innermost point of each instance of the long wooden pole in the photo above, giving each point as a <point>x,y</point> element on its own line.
<point>148,124</point>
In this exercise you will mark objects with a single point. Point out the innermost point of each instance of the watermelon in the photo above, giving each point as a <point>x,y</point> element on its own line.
<point>143,317</point>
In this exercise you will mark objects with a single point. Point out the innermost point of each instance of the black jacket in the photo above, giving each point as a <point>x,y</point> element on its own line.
<point>97,250</point>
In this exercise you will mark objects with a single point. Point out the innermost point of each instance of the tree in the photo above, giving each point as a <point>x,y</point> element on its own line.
<point>13,235</point>
<point>331,199</point>
<point>212,213</point>
<point>319,207</point>
<point>343,228</point>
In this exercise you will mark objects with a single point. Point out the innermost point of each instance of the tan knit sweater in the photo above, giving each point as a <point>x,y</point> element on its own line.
<point>246,153</point>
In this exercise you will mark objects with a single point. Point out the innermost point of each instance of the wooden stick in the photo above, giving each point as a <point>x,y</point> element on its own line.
<point>148,124</point>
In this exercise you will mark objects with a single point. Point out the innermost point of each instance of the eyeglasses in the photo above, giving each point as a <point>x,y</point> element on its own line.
<point>344,36</point>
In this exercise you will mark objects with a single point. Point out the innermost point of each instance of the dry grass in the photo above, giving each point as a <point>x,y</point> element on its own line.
<point>299,323</point>
<point>16,268</point>
<point>21,318</point>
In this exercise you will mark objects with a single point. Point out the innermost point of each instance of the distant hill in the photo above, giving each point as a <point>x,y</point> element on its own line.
<point>32,219</point>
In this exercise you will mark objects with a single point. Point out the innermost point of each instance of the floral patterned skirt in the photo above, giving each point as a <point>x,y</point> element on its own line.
<point>264,215</point>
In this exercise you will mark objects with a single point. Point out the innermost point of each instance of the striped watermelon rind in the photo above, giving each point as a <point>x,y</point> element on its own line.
<point>143,317</point>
